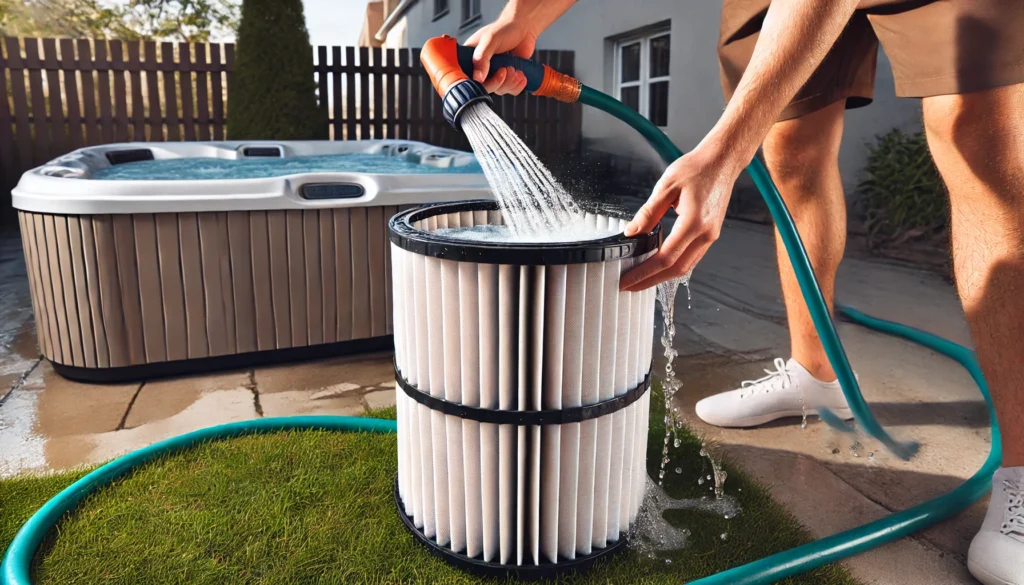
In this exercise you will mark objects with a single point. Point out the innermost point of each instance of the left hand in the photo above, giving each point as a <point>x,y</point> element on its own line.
<point>698,185</point>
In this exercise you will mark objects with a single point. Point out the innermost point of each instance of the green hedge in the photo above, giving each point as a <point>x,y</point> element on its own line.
<point>902,194</point>
<point>273,93</point>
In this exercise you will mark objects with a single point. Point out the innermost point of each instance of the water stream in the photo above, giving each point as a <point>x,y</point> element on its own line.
<point>533,203</point>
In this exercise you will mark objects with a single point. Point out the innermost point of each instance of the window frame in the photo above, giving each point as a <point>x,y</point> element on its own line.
<point>441,9</point>
<point>645,80</point>
<point>468,15</point>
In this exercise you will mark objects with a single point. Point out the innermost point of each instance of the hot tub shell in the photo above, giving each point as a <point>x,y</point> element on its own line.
<point>133,279</point>
<point>523,393</point>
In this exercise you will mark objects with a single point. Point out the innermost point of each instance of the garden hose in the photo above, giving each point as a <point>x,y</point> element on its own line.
<point>17,562</point>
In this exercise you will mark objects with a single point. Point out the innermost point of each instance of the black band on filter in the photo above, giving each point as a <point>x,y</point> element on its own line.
<point>523,417</point>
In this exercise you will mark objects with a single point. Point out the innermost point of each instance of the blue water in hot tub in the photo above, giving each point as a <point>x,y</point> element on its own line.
<point>193,169</point>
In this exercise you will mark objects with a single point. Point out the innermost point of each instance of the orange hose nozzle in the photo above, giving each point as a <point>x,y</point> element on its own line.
<point>440,57</point>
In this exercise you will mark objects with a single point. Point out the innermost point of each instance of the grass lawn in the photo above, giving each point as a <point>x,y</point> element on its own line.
<point>317,507</point>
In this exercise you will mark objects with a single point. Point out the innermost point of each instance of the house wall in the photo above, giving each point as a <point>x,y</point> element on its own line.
<point>695,94</point>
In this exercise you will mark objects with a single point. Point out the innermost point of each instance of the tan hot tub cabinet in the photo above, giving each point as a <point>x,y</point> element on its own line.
<point>136,279</point>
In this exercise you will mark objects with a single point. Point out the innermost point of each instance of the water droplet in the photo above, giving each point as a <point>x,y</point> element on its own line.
<point>700,481</point>
<point>668,561</point>
<point>679,469</point>
<point>661,473</point>
<point>728,516</point>
<point>871,454</point>
<point>677,443</point>
<point>835,451</point>
<point>709,478</point>
<point>724,536</point>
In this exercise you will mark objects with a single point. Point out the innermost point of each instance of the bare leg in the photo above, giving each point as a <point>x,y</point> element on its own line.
<point>977,141</point>
<point>803,158</point>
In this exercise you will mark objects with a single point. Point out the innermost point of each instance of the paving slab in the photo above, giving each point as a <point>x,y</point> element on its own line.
<point>304,402</point>
<point>160,399</point>
<point>363,371</point>
<point>379,399</point>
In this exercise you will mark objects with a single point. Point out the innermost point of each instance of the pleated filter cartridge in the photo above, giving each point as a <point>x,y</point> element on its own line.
<point>523,391</point>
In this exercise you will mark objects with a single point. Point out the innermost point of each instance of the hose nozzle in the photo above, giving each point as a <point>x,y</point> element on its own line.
<point>450,66</point>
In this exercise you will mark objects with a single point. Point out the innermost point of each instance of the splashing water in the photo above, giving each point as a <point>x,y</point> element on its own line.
<point>532,201</point>
<point>651,533</point>
<point>718,474</point>
<point>666,295</point>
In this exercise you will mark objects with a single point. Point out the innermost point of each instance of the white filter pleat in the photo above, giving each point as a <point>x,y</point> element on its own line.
<point>572,390</point>
<point>435,386</point>
<point>551,399</point>
<point>640,485</point>
<point>397,276</point>
<point>591,375</point>
<point>522,403</point>
<point>432,223</point>
<point>508,368</point>
<point>450,310</point>
<point>442,221</point>
<point>494,217</point>
<point>480,217</point>
<point>489,328</point>
<point>536,386</point>
<point>422,377</point>
<point>630,413</point>
<point>467,219</point>
<point>403,458</point>
<point>455,219</point>
<point>469,314</point>
<point>606,391</point>
<point>619,482</point>
<point>590,220</point>
<point>427,471</point>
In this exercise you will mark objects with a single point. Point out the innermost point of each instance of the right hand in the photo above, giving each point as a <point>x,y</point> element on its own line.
<point>504,35</point>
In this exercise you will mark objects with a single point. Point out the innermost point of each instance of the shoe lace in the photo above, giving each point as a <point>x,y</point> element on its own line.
<point>774,380</point>
<point>1014,524</point>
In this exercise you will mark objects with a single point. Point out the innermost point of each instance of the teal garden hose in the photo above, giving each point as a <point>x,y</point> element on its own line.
<point>15,569</point>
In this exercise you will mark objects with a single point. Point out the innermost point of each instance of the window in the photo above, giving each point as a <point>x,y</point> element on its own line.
<point>440,8</point>
<point>641,74</point>
<point>470,11</point>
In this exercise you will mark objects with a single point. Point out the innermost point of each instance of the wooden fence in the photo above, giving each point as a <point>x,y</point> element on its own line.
<point>63,94</point>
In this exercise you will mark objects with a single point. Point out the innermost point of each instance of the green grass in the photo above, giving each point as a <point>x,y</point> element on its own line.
<point>317,507</point>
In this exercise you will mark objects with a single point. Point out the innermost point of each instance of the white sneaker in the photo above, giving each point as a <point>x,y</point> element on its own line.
<point>996,556</point>
<point>788,391</point>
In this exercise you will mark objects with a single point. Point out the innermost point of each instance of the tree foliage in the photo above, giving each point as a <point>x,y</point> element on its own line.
<point>273,93</point>
<point>181,20</point>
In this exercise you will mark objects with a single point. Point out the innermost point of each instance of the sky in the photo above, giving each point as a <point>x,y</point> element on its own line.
<point>334,22</point>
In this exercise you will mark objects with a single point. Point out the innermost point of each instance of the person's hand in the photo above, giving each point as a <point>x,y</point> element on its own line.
<point>698,185</point>
<point>505,35</point>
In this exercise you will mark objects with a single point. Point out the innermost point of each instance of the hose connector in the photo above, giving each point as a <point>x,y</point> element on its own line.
<point>460,95</point>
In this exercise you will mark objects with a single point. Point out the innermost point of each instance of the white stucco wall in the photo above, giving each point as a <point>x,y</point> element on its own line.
<point>695,94</point>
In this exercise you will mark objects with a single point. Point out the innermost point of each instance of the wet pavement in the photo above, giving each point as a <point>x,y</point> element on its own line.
<point>733,329</point>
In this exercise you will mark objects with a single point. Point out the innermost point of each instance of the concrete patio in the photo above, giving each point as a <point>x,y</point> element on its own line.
<point>736,325</point>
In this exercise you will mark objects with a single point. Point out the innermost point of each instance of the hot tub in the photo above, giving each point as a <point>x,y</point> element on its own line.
<point>155,259</point>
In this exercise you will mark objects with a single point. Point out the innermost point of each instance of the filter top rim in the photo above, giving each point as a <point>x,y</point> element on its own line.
<point>403,234</point>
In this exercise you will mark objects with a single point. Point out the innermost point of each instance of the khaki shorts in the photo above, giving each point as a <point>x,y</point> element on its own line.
<point>936,47</point>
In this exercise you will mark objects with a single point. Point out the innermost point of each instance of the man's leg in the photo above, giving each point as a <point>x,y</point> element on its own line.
<point>977,140</point>
<point>802,156</point>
